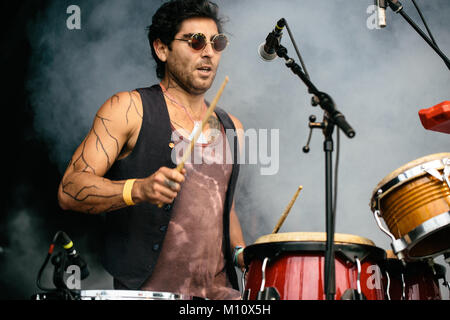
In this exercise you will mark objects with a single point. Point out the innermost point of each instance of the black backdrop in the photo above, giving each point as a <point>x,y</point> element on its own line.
<point>30,215</point>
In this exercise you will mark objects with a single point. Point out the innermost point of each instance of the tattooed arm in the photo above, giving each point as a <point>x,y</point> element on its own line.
<point>113,136</point>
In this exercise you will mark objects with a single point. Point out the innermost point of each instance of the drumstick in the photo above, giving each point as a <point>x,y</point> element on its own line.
<point>208,114</point>
<point>286,212</point>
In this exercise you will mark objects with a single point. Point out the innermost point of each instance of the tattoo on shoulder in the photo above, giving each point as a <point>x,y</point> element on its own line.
<point>132,105</point>
<point>213,123</point>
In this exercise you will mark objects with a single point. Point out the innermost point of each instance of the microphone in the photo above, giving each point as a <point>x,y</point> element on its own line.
<point>267,49</point>
<point>381,12</point>
<point>73,257</point>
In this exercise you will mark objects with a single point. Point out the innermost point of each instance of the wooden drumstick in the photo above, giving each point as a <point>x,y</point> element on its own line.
<point>199,131</point>
<point>286,212</point>
<point>208,114</point>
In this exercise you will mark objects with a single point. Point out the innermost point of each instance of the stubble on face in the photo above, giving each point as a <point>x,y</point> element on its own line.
<point>184,78</point>
<point>183,62</point>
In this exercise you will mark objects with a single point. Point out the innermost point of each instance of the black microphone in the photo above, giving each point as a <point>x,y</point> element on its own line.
<point>73,257</point>
<point>381,12</point>
<point>267,49</point>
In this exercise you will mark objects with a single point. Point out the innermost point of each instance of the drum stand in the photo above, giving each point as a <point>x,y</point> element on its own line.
<point>332,117</point>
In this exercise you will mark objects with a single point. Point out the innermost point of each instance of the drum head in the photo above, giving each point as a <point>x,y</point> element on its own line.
<point>347,246</point>
<point>312,237</point>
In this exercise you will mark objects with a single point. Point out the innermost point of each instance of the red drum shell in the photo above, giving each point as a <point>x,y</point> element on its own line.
<point>421,283</point>
<point>296,269</point>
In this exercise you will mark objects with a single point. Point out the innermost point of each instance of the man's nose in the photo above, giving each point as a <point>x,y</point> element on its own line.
<point>208,50</point>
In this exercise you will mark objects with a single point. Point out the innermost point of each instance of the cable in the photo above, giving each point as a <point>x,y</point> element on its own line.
<point>296,49</point>
<point>38,281</point>
<point>47,259</point>
<point>41,270</point>
<point>424,22</point>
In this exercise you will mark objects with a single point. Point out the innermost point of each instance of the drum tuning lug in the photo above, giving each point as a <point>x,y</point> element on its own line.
<point>269,293</point>
<point>352,294</point>
<point>430,262</point>
<point>243,283</point>
<point>377,216</point>
<point>446,173</point>
<point>433,172</point>
<point>401,257</point>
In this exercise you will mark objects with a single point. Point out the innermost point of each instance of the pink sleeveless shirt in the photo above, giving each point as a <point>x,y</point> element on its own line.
<point>192,261</point>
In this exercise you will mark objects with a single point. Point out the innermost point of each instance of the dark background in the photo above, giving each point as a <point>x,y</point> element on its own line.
<point>32,178</point>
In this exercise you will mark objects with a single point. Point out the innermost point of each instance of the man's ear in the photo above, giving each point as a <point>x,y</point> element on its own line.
<point>161,50</point>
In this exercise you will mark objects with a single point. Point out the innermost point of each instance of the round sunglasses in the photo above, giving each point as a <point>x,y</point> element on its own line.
<point>198,41</point>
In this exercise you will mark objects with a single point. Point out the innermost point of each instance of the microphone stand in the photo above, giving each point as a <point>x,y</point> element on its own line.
<point>60,262</point>
<point>332,117</point>
<point>397,7</point>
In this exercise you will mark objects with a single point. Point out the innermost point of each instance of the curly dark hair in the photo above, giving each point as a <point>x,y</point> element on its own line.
<point>166,23</point>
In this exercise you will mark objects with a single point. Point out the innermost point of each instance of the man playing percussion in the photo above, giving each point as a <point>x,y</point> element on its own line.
<point>166,230</point>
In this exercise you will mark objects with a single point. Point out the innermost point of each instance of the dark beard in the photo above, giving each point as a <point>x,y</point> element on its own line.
<point>183,81</point>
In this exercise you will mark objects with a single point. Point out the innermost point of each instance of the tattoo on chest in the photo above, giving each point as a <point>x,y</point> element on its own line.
<point>213,123</point>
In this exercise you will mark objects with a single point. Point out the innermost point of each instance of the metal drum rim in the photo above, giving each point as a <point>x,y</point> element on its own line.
<point>424,230</point>
<point>386,185</point>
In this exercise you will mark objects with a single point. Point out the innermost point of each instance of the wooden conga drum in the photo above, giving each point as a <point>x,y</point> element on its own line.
<point>414,202</point>
<point>290,266</point>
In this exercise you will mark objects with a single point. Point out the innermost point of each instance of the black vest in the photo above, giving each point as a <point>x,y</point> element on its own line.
<point>134,235</point>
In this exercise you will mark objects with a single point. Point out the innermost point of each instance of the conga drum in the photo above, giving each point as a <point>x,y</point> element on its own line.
<point>290,266</point>
<point>413,280</point>
<point>414,202</point>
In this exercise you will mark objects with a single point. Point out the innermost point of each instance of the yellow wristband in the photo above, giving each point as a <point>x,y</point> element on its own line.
<point>68,246</point>
<point>127,192</point>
